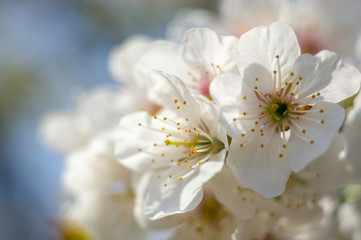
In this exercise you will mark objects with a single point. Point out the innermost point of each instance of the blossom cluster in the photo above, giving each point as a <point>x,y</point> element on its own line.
<point>218,133</point>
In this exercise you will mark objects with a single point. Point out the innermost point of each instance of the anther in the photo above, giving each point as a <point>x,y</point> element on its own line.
<point>175,100</point>
<point>155,117</point>
<point>281,155</point>
<point>184,103</point>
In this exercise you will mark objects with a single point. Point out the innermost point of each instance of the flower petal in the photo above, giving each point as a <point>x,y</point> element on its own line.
<point>263,169</point>
<point>170,195</point>
<point>203,47</point>
<point>261,45</point>
<point>314,133</point>
<point>325,73</point>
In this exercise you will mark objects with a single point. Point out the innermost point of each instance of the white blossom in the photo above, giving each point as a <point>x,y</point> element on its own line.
<point>282,107</point>
<point>182,147</point>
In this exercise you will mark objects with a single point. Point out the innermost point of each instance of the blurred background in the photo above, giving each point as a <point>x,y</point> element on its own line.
<point>49,50</point>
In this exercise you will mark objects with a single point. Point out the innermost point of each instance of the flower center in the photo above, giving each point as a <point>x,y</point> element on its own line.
<point>278,109</point>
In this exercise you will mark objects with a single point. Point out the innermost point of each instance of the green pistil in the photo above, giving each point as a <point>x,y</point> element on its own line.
<point>195,143</point>
<point>278,110</point>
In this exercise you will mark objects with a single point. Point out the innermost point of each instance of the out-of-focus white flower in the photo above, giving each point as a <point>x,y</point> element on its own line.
<point>99,192</point>
<point>182,148</point>
<point>202,56</point>
<point>352,133</point>
<point>123,57</point>
<point>303,189</point>
<point>349,217</point>
<point>283,224</point>
<point>317,27</point>
<point>281,107</point>
<point>95,112</point>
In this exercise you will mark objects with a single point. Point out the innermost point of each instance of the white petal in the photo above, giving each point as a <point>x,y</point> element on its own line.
<point>228,191</point>
<point>123,58</point>
<point>325,73</point>
<point>179,196</point>
<point>204,47</point>
<point>171,92</point>
<point>142,183</point>
<point>261,45</point>
<point>260,169</point>
<point>134,148</point>
<point>301,150</point>
<point>224,90</point>
<point>337,173</point>
<point>164,56</point>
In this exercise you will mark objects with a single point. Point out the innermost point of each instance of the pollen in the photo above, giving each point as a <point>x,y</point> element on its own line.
<point>244,113</point>
<point>185,160</point>
<point>155,117</point>
<point>255,88</point>
<point>184,102</point>
<point>260,105</point>
<point>256,79</point>
<point>164,118</point>
<point>321,110</point>
<point>303,131</point>
<point>241,145</point>
<point>163,128</point>
<point>322,121</point>
<point>180,178</point>
<point>274,71</point>
<point>277,56</point>
<point>190,165</point>
<point>186,119</point>
<point>170,175</point>
<point>281,155</point>
<point>284,145</point>
<point>165,184</point>
<point>198,133</point>
<point>262,145</point>
<point>175,101</point>
<point>312,142</point>
<point>178,107</point>
<point>256,122</point>
<point>244,97</point>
